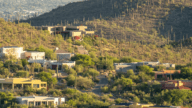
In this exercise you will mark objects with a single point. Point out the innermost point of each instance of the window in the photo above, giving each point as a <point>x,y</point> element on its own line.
<point>35,85</point>
<point>43,85</point>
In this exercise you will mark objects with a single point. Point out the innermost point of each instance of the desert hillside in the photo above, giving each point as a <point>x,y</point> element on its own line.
<point>149,21</point>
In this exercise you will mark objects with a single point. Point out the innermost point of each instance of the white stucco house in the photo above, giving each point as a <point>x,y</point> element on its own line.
<point>34,55</point>
<point>40,100</point>
<point>12,50</point>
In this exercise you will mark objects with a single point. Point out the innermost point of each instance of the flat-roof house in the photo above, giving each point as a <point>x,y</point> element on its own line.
<point>21,83</point>
<point>123,67</point>
<point>177,84</point>
<point>70,64</point>
<point>33,101</point>
<point>34,55</point>
<point>63,55</point>
<point>165,74</point>
<point>130,105</point>
<point>66,31</point>
<point>12,50</point>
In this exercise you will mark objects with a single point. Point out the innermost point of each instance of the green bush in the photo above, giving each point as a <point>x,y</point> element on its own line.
<point>22,74</point>
<point>105,89</point>
<point>118,100</point>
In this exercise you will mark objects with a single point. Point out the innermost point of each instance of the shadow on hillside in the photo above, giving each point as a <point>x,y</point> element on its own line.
<point>78,12</point>
<point>178,24</point>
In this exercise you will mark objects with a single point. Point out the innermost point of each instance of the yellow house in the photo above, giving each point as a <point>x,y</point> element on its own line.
<point>130,105</point>
<point>21,83</point>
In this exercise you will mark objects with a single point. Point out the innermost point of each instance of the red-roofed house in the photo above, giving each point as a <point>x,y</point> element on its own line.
<point>176,84</point>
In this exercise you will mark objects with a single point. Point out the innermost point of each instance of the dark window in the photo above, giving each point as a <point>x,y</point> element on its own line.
<point>159,76</point>
<point>35,85</point>
<point>71,29</point>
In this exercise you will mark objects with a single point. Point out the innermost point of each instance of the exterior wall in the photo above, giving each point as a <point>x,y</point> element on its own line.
<point>26,100</point>
<point>89,32</point>
<point>51,29</point>
<point>37,55</point>
<point>174,84</point>
<point>75,33</point>
<point>124,68</point>
<point>187,84</point>
<point>70,64</point>
<point>15,51</point>
<point>164,72</point>
<point>23,55</point>
<point>82,28</point>
<point>168,65</point>
<point>64,56</point>
<point>132,106</point>
<point>22,81</point>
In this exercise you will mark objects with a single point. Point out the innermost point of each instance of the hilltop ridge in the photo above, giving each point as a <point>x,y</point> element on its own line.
<point>157,21</point>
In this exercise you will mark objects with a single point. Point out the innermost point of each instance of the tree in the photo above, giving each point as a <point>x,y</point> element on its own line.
<point>79,68</point>
<point>44,76</point>
<point>4,71</point>
<point>91,72</point>
<point>70,79</point>
<point>22,74</point>
<point>186,72</point>
<point>84,82</point>
<point>1,64</point>
<point>48,52</point>
<point>24,62</point>
<point>130,72</point>
<point>177,97</point>
<point>118,100</point>
<point>136,99</point>
<point>145,69</point>
<point>85,60</point>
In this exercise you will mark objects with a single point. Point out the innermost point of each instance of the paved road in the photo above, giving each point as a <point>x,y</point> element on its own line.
<point>103,81</point>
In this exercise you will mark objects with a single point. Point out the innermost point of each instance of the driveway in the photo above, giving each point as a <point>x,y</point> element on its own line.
<point>97,88</point>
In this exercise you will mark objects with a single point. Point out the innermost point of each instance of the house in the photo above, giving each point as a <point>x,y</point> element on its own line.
<point>12,50</point>
<point>33,101</point>
<point>43,62</point>
<point>167,107</point>
<point>130,105</point>
<point>165,74</point>
<point>168,65</point>
<point>63,55</point>
<point>176,84</point>
<point>82,50</point>
<point>66,31</point>
<point>21,83</point>
<point>34,55</point>
<point>123,67</point>
<point>54,65</point>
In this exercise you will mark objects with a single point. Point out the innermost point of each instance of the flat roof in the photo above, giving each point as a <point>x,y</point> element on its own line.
<point>35,52</point>
<point>11,47</point>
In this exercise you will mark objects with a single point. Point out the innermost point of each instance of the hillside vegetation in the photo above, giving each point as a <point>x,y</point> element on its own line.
<point>147,21</point>
<point>24,35</point>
